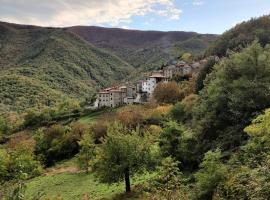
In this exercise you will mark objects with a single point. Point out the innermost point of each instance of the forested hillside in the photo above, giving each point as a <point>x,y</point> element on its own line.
<point>242,35</point>
<point>204,137</point>
<point>145,50</point>
<point>44,66</point>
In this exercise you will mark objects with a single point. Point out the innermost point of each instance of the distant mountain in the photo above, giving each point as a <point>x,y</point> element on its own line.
<point>144,50</point>
<point>44,66</point>
<point>242,35</point>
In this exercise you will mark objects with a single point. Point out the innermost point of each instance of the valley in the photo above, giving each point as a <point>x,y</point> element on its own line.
<point>201,133</point>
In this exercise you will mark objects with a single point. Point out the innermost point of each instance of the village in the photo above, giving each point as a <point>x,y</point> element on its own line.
<point>142,91</point>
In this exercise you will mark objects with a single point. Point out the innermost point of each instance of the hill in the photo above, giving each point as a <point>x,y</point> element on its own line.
<point>242,35</point>
<point>144,50</point>
<point>44,66</point>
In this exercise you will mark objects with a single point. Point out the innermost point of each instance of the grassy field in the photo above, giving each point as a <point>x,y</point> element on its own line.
<point>93,117</point>
<point>71,186</point>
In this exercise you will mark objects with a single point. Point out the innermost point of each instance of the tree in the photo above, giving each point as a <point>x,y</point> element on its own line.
<point>236,91</point>
<point>167,93</point>
<point>87,152</point>
<point>207,69</point>
<point>170,140</point>
<point>121,154</point>
<point>249,175</point>
<point>212,172</point>
<point>130,117</point>
<point>180,144</point>
<point>177,112</point>
<point>187,57</point>
<point>168,183</point>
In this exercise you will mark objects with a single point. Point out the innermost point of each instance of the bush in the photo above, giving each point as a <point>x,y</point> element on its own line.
<point>212,172</point>
<point>87,152</point>
<point>178,112</point>
<point>18,164</point>
<point>55,144</point>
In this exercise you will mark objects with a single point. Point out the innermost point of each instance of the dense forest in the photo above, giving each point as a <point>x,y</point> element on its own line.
<point>202,138</point>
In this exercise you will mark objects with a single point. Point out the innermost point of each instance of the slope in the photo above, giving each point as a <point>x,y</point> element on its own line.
<point>44,66</point>
<point>242,35</point>
<point>144,50</point>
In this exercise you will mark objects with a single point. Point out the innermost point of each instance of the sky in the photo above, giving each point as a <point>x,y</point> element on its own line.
<point>203,16</point>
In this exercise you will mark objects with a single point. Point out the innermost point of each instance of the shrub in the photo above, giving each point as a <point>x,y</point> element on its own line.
<point>212,172</point>
<point>55,144</point>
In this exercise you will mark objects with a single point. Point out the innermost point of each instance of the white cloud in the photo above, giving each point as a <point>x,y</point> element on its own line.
<point>197,3</point>
<point>84,12</point>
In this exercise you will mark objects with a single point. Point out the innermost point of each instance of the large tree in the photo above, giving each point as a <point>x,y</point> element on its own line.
<point>167,92</point>
<point>121,154</point>
<point>236,91</point>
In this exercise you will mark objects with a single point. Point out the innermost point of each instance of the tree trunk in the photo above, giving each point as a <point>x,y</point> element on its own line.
<point>127,181</point>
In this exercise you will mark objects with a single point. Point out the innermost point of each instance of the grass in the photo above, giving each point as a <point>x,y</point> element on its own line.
<point>75,186</point>
<point>94,116</point>
<point>91,118</point>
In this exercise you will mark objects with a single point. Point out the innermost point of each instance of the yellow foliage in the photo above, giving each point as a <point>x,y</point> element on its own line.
<point>260,127</point>
<point>155,130</point>
<point>160,111</point>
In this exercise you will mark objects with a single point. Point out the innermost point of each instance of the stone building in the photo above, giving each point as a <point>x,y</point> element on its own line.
<point>111,97</point>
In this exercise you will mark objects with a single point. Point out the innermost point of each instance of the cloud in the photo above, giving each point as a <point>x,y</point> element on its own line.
<point>84,12</point>
<point>197,3</point>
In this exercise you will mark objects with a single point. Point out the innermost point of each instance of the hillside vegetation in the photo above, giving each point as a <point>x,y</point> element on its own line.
<point>241,35</point>
<point>44,66</point>
<point>145,50</point>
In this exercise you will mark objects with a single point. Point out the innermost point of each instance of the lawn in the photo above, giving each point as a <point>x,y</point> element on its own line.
<point>94,116</point>
<point>71,186</point>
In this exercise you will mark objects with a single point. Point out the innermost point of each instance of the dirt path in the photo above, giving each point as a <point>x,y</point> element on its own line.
<point>54,171</point>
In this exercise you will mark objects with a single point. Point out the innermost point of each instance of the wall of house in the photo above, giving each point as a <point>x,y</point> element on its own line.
<point>104,99</point>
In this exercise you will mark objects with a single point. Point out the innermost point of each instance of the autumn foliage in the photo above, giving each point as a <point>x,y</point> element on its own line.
<point>167,93</point>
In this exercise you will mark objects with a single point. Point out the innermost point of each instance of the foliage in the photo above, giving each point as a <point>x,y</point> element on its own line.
<point>250,167</point>
<point>130,117</point>
<point>212,172</point>
<point>5,128</point>
<point>207,69</point>
<point>187,57</point>
<point>246,183</point>
<point>170,139</point>
<point>167,93</point>
<point>177,112</point>
<point>18,164</point>
<point>180,144</point>
<point>87,152</point>
<point>145,50</point>
<point>168,183</point>
<point>242,35</point>
<point>169,175</point>
<point>122,154</point>
<point>236,91</point>
<point>49,65</point>
<point>55,144</point>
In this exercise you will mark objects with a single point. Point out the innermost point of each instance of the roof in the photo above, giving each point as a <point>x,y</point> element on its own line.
<point>116,90</point>
<point>170,67</point>
<point>157,76</point>
<point>103,92</point>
